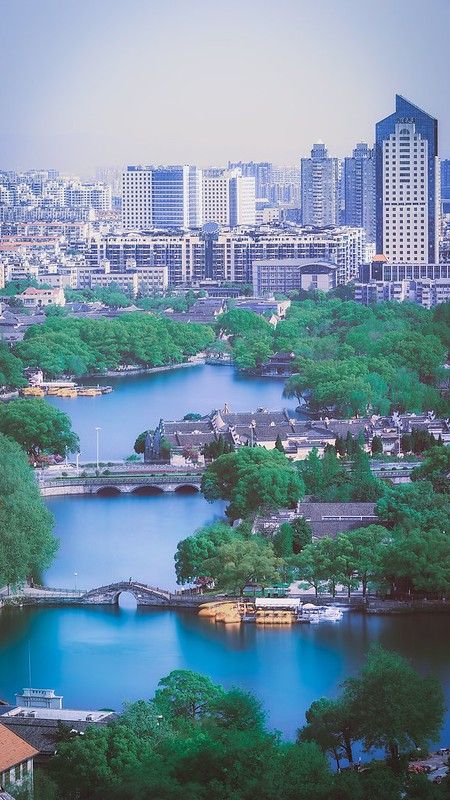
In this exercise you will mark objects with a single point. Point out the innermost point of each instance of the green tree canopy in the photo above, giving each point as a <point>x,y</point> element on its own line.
<point>398,709</point>
<point>38,427</point>
<point>240,561</point>
<point>252,478</point>
<point>27,545</point>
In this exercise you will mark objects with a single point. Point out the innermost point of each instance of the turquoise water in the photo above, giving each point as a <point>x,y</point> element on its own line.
<point>98,657</point>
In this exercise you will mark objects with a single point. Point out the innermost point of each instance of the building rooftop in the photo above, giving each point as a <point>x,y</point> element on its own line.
<point>13,749</point>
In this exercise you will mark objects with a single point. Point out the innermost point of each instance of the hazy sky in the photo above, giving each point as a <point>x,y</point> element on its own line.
<point>100,82</point>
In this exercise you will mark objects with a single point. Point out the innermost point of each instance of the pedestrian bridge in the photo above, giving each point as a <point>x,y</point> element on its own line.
<point>144,595</point>
<point>115,484</point>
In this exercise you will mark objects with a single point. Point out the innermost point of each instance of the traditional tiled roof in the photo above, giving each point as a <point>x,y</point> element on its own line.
<point>13,749</point>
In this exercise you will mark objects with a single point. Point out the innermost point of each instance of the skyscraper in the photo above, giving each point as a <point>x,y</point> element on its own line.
<point>319,187</point>
<point>407,185</point>
<point>359,190</point>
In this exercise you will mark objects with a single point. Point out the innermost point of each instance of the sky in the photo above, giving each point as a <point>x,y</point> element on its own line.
<point>89,83</point>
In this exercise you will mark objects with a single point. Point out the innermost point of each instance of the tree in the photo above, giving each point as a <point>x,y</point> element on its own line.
<point>238,710</point>
<point>38,427</point>
<point>303,772</point>
<point>292,537</point>
<point>316,564</point>
<point>368,545</point>
<point>435,468</point>
<point>27,546</point>
<point>283,541</point>
<point>139,445</point>
<point>186,695</point>
<point>365,487</point>
<point>10,369</point>
<point>240,561</point>
<point>252,478</point>
<point>311,470</point>
<point>302,534</point>
<point>331,724</point>
<point>193,552</point>
<point>377,446</point>
<point>279,444</point>
<point>397,708</point>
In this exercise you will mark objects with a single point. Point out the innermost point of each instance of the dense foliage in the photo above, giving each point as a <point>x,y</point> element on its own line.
<point>351,359</point>
<point>77,346</point>
<point>38,427</point>
<point>10,369</point>
<point>27,545</point>
<point>252,478</point>
<point>407,554</point>
<point>228,556</point>
<point>347,479</point>
<point>195,740</point>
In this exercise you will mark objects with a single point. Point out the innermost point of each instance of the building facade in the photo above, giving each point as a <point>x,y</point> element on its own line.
<point>359,190</point>
<point>407,185</point>
<point>290,274</point>
<point>319,188</point>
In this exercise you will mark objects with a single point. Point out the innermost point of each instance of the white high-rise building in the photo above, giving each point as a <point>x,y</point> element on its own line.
<point>407,186</point>
<point>137,198</point>
<point>242,200</point>
<point>216,196</point>
<point>319,188</point>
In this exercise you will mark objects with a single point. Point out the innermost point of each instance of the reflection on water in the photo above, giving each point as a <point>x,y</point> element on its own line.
<point>108,539</point>
<point>98,657</point>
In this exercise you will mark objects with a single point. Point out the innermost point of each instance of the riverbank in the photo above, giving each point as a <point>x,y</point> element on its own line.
<point>123,373</point>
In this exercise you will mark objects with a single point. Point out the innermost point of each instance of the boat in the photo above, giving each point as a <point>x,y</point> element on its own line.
<point>32,391</point>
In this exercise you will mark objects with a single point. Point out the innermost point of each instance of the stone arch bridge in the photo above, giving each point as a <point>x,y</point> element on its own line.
<point>109,595</point>
<point>114,484</point>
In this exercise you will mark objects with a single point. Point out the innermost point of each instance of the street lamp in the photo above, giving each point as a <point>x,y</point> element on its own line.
<point>77,459</point>
<point>76,582</point>
<point>97,431</point>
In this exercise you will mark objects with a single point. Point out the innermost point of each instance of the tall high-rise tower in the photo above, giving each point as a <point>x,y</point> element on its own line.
<point>407,185</point>
<point>359,190</point>
<point>319,187</point>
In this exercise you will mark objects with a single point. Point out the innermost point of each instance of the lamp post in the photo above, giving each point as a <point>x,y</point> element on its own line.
<point>76,581</point>
<point>97,431</point>
<point>77,459</point>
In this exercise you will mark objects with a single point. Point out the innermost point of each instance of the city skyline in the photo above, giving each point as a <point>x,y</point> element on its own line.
<point>116,85</point>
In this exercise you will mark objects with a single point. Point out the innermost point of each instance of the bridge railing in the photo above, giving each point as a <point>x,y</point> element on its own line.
<point>112,480</point>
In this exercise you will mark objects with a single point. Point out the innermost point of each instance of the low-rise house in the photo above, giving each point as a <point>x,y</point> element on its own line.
<point>16,760</point>
<point>40,298</point>
<point>324,519</point>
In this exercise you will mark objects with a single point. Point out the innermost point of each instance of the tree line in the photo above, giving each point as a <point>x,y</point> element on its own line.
<point>351,359</point>
<point>406,553</point>
<point>68,346</point>
<point>197,740</point>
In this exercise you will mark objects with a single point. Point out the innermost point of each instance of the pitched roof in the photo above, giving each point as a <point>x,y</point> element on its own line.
<point>13,749</point>
<point>42,734</point>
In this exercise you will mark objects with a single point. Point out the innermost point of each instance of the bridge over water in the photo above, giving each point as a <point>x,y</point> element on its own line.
<point>118,483</point>
<point>109,594</point>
